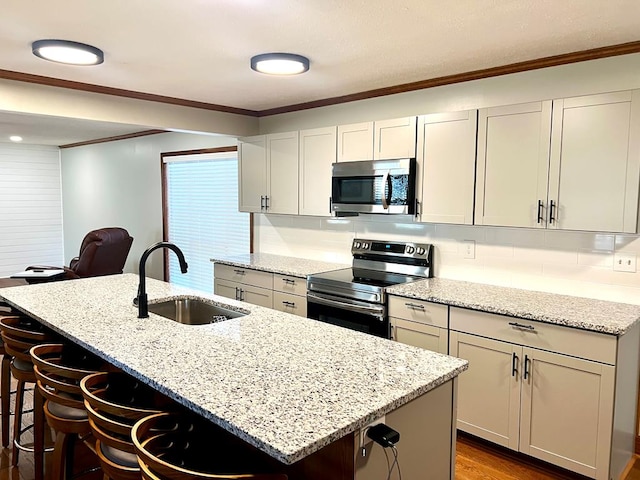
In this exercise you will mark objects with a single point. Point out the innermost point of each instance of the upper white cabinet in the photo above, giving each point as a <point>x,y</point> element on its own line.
<point>595,162</point>
<point>380,140</point>
<point>252,173</point>
<point>577,168</point>
<point>513,164</point>
<point>446,167</point>
<point>317,153</point>
<point>268,173</point>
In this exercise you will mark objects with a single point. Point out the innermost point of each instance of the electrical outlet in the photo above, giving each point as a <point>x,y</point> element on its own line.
<point>364,440</point>
<point>468,249</point>
<point>624,262</point>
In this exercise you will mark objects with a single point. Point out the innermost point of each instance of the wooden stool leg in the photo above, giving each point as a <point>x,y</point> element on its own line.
<point>39,426</point>
<point>17,421</point>
<point>58,470</point>
<point>5,379</point>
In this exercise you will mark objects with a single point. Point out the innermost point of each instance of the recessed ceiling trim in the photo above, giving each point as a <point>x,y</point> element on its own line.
<point>126,136</point>
<point>562,59</point>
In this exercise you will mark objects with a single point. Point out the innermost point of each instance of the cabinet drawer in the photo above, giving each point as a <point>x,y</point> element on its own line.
<point>595,346</point>
<point>289,284</point>
<point>244,275</point>
<point>419,335</point>
<point>419,311</point>
<point>285,302</point>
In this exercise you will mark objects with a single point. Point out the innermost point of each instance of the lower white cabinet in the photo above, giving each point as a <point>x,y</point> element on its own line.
<point>280,292</point>
<point>418,323</point>
<point>564,406</point>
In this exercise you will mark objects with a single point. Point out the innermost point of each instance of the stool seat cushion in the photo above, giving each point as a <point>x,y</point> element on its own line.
<point>22,364</point>
<point>63,411</point>
<point>119,457</point>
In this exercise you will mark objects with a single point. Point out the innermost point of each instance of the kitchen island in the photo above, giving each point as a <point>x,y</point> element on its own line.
<point>294,389</point>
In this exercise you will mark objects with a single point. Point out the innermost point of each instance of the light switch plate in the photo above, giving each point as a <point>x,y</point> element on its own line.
<point>469,249</point>
<point>624,262</point>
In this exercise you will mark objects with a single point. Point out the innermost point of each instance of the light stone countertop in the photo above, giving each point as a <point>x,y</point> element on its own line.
<point>578,312</point>
<point>285,384</point>
<point>296,267</point>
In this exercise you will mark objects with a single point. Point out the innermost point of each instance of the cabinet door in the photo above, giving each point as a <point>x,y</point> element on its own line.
<point>394,138</point>
<point>419,335</point>
<point>355,142</point>
<point>489,391</point>
<point>595,162</point>
<point>317,153</point>
<point>252,173</point>
<point>567,411</point>
<point>282,172</point>
<point>447,167</point>
<point>225,288</point>
<point>513,164</point>
<point>256,296</point>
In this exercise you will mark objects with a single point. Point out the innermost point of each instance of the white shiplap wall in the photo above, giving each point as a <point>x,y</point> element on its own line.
<point>30,207</point>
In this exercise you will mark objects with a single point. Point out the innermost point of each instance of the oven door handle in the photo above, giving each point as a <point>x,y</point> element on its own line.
<point>337,303</point>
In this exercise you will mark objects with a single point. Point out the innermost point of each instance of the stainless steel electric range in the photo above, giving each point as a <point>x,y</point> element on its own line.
<point>355,297</point>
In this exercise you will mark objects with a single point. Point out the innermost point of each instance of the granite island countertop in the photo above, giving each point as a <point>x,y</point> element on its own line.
<point>577,312</point>
<point>285,384</point>
<point>266,262</point>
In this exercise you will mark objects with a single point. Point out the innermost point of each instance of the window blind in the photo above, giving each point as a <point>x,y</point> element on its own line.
<point>203,217</point>
<point>30,207</point>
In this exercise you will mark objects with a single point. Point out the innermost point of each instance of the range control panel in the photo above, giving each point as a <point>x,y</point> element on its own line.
<point>392,249</point>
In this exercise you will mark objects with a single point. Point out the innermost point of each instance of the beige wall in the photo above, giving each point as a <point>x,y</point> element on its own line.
<point>119,184</point>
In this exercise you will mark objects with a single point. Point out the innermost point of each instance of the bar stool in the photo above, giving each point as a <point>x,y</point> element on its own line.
<point>58,369</point>
<point>19,334</point>
<point>5,383</point>
<point>175,446</point>
<point>115,401</point>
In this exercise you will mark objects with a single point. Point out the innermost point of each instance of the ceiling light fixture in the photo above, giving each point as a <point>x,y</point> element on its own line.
<point>65,51</point>
<point>15,138</point>
<point>280,63</point>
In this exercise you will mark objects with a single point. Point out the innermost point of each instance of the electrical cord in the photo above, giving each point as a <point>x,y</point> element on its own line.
<point>394,464</point>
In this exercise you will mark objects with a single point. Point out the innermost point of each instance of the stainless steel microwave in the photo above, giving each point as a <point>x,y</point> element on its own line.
<point>374,186</point>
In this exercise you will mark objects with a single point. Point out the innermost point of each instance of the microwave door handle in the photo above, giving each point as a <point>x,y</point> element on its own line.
<point>385,182</point>
<point>376,311</point>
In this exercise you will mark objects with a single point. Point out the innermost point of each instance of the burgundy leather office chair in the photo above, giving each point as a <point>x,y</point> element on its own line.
<point>103,252</point>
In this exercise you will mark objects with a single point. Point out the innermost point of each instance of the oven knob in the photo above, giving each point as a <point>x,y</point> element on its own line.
<point>410,249</point>
<point>356,244</point>
<point>420,251</point>
<point>365,245</point>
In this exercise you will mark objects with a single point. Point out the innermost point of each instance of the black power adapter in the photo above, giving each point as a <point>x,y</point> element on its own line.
<point>383,435</point>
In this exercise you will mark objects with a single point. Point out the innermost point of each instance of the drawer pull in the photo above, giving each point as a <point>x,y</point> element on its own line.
<point>514,365</point>
<point>289,281</point>
<point>240,272</point>
<point>522,326</point>
<point>414,306</point>
<point>288,304</point>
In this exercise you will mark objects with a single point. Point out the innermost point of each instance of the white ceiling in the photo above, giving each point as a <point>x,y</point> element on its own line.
<point>200,49</point>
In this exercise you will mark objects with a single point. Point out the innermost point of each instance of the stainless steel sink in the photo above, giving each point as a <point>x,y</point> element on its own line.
<point>191,311</point>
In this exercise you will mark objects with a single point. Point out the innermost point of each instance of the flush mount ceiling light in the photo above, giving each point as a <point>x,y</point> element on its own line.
<point>15,138</point>
<point>280,63</point>
<point>65,51</point>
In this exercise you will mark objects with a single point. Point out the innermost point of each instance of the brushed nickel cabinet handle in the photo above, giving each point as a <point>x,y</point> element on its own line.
<point>415,306</point>
<point>522,326</point>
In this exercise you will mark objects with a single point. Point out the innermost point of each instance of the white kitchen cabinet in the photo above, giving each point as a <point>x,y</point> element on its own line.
<point>545,390</point>
<point>418,323</point>
<point>575,169</point>
<point>280,292</point>
<point>446,166</point>
<point>252,173</point>
<point>318,148</point>
<point>268,173</point>
<point>379,140</point>
<point>245,284</point>
<point>513,164</point>
<point>595,163</point>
